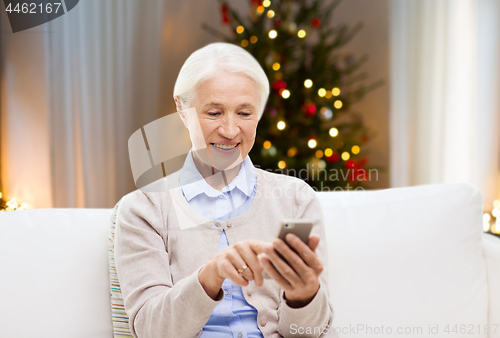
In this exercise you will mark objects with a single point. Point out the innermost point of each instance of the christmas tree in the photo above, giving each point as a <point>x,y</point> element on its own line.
<point>308,129</point>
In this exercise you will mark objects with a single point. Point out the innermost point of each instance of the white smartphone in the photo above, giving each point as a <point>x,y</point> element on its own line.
<point>299,227</point>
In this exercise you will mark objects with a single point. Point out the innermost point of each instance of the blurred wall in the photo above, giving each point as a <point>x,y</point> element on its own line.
<point>372,40</point>
<point>182,35</point>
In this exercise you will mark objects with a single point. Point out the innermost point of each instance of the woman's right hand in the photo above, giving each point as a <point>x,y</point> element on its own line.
<point>227,262</point>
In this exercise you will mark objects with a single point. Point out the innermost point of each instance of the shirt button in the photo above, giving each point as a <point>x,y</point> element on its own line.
<point>249,293</point>
<point>226,292</point>
<point>221,196</point>
<point>240,335</point>
<point>229,225</point>
<point>263,323</point>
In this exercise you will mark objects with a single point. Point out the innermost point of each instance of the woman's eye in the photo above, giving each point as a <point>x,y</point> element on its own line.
<point>245,114</point>
<point>213,113</point>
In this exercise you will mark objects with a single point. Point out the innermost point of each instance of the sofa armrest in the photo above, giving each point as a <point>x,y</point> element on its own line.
<point>491,251</point>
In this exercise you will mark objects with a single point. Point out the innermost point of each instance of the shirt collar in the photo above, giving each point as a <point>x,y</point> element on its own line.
<point>192,182</point>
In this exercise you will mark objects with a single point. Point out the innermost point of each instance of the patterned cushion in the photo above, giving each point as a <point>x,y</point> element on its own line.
<point>120,319</point>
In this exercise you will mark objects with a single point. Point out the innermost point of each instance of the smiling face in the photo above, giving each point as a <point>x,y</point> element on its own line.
<point>226,108</point>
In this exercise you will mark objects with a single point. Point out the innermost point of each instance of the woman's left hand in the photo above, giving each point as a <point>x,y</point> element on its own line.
<point>300,277</point>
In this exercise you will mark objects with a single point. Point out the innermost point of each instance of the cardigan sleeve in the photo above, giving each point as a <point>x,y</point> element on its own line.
<point>316,318</point>
<point>155,307</point>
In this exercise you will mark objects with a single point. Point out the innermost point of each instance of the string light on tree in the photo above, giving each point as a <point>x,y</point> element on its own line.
<point>253,39</point>
<point>322,92</point>
<point>326,113</point>
<point>282,164</point>
<point>336,91</point>
<point>273,34</point>
<point>276,66</point>
<point>267,145</point>
<point>12,204</point>
<point>355,150</point>
<point>328,152</point>
<point>266,3</point>
<point>333,132</point>
<point>272,151</point>
<point>260,9</point>
<point>319,153</point>
<point>285,94</point>
<point>301,33</point>
<point>244,43</point>
<point>312,143</point>
<point>337,104</point>
<point>328,94</point>
<point>292,152</point>
<point>281,125</point>
<point>270,14</point>
<point>345,156</point>
<point>240,29</point>
<point>308,83</point>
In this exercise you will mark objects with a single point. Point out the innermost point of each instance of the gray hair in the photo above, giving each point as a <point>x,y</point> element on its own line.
<point>207,62</point>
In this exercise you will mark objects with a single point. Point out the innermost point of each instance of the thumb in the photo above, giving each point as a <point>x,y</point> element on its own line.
<point>313,242</point>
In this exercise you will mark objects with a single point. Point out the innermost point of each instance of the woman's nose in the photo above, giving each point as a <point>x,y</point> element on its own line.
<point>229,128</point>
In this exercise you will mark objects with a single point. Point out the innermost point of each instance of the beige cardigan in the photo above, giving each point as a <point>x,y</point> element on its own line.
<point>161,243</point>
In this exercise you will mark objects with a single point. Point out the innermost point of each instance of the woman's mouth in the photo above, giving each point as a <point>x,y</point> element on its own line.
<point>225,146</point>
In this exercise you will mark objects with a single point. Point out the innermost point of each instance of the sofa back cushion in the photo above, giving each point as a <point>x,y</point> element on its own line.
<point>407,259</point>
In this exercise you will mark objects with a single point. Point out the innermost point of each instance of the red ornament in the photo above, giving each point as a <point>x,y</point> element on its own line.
<point>311,109</point>
<point>334,158</point>
<point>308,108</point>
<point>350,164</point>
<point>256,3</point>
<point>316,22</point>
<point>278,85</point>
<point>356,172</point>
<point>225,14</point>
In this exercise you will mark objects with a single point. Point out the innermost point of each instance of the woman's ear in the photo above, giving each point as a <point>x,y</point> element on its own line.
<point>179,110</point>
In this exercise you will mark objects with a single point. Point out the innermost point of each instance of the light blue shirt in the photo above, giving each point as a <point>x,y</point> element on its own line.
<point>233,316</point>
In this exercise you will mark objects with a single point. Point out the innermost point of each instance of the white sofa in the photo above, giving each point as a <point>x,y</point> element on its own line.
<point>405,262</point>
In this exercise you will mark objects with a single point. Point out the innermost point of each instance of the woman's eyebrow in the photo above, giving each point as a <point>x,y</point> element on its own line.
<point>215,104</point>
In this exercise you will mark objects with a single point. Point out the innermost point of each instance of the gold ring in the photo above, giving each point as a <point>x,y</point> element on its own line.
<point>240,271</point>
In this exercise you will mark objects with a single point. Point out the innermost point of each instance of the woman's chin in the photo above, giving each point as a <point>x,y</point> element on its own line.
<point>218,158</point>
<point>225,159</point>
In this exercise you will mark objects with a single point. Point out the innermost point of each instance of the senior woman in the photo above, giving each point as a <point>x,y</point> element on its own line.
<point>191,248</point>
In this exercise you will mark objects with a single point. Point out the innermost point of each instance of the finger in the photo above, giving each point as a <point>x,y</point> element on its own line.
<point>229,271</point>
<point>238,262</point>
<point>254,266</point>
<point>285,270</point>
<point>292,258</point>
<point>304,251</point>
<point>313,242</point>
<point>273,273</point>
<point>257,246</point>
